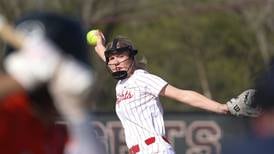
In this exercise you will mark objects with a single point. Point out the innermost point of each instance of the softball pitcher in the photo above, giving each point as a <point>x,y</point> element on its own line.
<point>137,98</point>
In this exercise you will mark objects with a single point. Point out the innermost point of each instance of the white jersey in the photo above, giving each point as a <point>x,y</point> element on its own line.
<point>138,106</point>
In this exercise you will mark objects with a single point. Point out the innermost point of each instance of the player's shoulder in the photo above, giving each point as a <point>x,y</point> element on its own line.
<point>142,73</point>
<point>145,76</point>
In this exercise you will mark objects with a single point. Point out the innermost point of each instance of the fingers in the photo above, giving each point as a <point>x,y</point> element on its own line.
<point>101,38</point>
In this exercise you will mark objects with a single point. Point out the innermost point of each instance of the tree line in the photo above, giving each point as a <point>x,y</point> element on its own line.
<point>214,47</point>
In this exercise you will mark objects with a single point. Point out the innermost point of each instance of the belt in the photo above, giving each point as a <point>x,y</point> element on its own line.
<point>136,148</point>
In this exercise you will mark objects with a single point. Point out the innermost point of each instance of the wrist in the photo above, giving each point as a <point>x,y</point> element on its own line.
<point>223,108</point>
<point>100,48</point>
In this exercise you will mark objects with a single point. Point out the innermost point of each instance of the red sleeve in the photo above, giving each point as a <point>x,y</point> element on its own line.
<point>22,132</point>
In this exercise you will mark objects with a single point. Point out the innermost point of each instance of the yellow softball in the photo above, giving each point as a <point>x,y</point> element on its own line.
<point>91,37</point>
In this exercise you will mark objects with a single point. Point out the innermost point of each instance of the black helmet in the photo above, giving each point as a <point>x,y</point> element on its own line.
<point>66,33</point>
<point>120,44</point>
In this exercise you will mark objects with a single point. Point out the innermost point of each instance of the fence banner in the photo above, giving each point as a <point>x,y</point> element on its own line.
<point>189,133</point>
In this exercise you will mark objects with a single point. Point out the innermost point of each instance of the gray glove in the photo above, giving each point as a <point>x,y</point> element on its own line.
<point>242,105</point>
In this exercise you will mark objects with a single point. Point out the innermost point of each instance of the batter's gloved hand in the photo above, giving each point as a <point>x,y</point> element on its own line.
<point>40,61</point>
<point>242,105</point>
<point>34,63</point>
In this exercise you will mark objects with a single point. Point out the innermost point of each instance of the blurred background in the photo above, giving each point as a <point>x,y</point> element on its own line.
<point>214,47</point>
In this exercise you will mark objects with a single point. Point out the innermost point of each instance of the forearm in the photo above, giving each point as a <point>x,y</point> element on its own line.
<point>195,99</point>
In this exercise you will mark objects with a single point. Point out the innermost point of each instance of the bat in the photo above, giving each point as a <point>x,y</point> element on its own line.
<point>9,34</point>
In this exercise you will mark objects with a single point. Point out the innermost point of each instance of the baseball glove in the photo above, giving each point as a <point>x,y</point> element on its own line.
<point>242,105</point>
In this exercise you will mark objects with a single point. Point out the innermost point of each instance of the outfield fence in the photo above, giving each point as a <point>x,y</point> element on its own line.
<point>189,133</point>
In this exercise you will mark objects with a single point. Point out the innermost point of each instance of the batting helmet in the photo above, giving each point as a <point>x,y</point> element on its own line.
<point>66,33</point>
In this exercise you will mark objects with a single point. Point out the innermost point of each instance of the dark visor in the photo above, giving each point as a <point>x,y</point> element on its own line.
<point>110,51</point>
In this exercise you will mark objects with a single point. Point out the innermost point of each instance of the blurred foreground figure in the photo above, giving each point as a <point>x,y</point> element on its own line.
<point>49,76</point>
<point>261,137</point>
